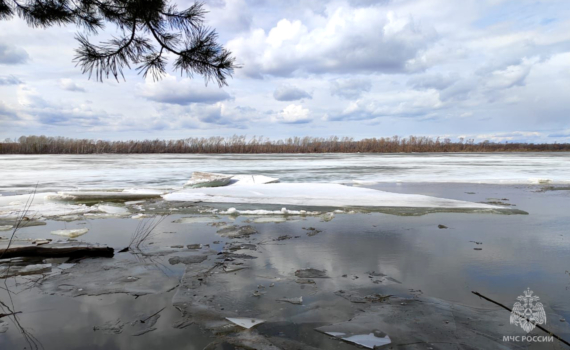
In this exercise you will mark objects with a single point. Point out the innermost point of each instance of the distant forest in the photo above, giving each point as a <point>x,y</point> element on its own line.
<point>243,144</point>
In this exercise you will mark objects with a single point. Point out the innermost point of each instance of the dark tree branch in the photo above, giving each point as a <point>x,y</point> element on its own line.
<point>180,33</point>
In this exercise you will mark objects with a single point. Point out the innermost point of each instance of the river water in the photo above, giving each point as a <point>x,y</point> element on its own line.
<point>499,256</point>
<point>57,172</point>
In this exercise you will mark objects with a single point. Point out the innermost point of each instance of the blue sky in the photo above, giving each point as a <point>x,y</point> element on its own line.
<point>482,69</point>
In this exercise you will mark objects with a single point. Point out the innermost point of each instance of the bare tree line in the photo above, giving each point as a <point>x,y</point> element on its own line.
<point>242,144</point>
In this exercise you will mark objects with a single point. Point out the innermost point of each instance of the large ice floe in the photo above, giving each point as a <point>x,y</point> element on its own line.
<point>226,189</point>
<point>38,205</point>
<point>315,195</point>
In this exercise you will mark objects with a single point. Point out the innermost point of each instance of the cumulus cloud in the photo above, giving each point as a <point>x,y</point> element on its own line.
<point>290,93</point>
<point>181,91</point>
<point>350,87</point>
<point>34,109</point>
<point>349,40</point>
<point>416,66</point>
<point>10,54</point>
<point>408,105</point>
<point>70,85</point>
<point>10,80</point>
<point>229,15</point>
<point>293,114</point>
<point>510,76</point>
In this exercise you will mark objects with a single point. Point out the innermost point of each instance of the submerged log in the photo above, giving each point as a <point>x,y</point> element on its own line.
<point>51,251</point>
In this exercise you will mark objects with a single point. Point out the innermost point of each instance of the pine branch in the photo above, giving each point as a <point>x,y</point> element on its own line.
<point>180,33</point>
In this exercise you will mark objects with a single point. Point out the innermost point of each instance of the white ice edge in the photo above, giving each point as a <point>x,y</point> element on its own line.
<point>317,195</point>
<point>70,233</point>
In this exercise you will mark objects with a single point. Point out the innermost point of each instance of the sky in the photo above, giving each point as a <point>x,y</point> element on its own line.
<point>495,70</point>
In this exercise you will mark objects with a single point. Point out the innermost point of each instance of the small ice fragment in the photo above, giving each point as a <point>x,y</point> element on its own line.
<point>269,220</point>
<point>41,241</point>
<point>71,233</point>
<point>5,227</point>
<point>296,301</point>
<point>311,273</point>
<point>195,219</point>
<point>246,323</point>
<point>369,341</point>
<point>111,209</point>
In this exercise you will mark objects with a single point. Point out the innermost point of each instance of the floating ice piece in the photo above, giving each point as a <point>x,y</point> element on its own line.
<point>246,323</point>
<point>196,219</point>
<point>141,216</point>
<point>357,333</point>
<point>5,227</point>
<point>241,180</point>
<point>3,326</point>
<point>235,231</point>
<point>269,220</point>
<point>311,273</point>
<point>296,301</point>
<point>201,179</point>
<point>71,233</point>
<point>283,211</point>
<point>112,209</point>
<point>313,194</point>
<point>15,270</point>
<point>369,341</point>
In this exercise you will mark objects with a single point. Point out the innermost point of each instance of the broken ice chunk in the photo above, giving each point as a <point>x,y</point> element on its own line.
<point>357,334</point>
<point>71,233</point>
<point>112,209</point>
<point>311,273</point>
<point>240,180</point>
<point>246,323</point>
<point>296,301</point>
<point>202,179</point>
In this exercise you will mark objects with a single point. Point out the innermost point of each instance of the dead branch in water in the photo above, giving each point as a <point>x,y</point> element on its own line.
<point>21,218</point>
<point>510,310</point>
<point>144,231</point>
<point>46,251</point>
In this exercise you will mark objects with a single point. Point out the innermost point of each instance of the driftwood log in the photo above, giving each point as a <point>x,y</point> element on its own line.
<point>56,251</point>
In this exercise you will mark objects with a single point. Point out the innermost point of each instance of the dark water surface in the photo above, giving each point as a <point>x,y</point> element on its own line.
<point>518,252</point>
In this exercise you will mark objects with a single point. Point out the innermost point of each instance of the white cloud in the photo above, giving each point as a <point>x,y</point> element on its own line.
<point>290,93</point>
<point>293,114</point>
<point>181,91</point>
<point>350,40</point>
<point>414,67</point>
<point>350,87</point>
<point>10,80</point>
<point>70,85</point>
<point>11,54</point>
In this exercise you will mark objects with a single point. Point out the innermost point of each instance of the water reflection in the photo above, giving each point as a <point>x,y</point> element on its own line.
<point>518,251</point>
